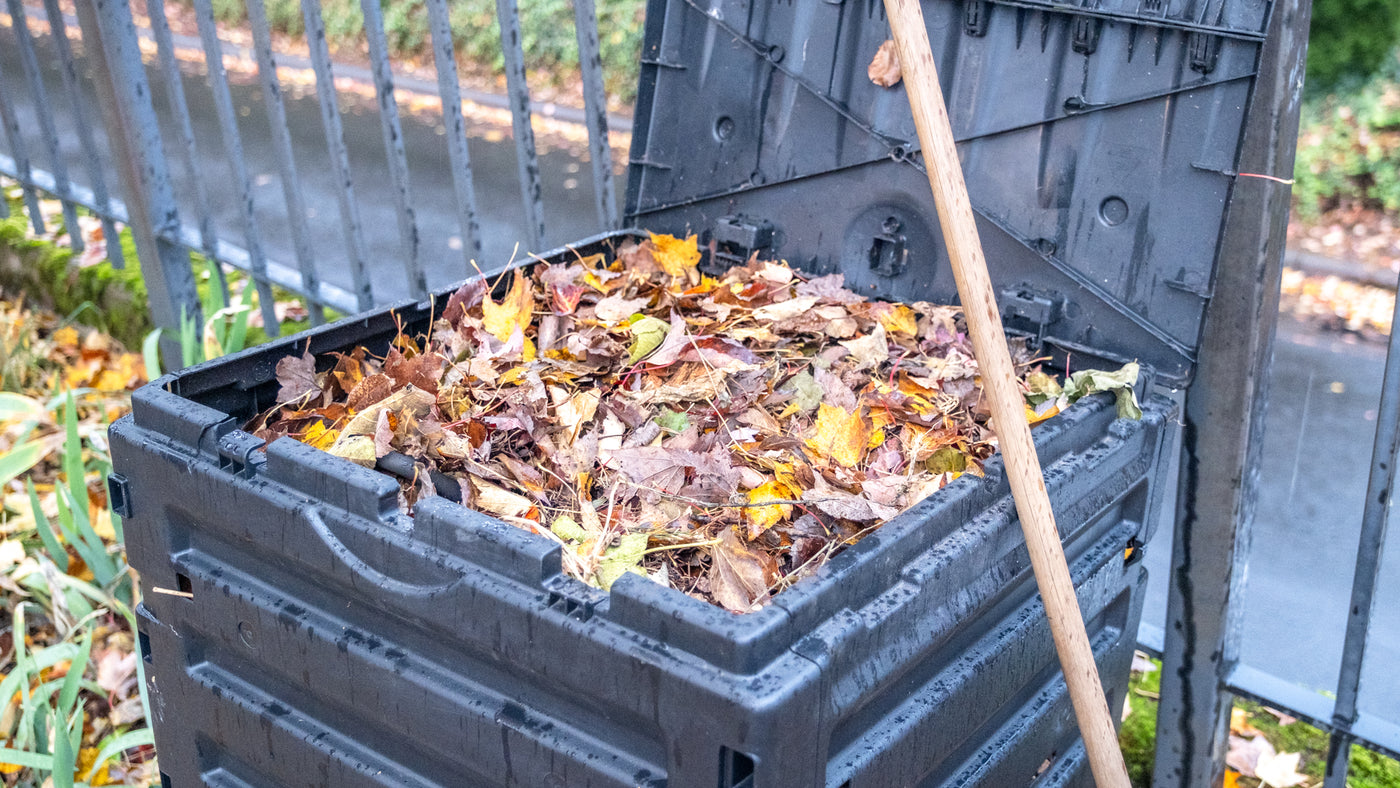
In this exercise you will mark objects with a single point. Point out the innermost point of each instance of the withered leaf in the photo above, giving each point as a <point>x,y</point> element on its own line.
<point>739,575</point>
<point>884,68</point>
<point>296,377</point>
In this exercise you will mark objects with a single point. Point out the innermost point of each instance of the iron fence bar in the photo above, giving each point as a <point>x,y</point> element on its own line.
<point>1368,564</point>
<point>233,145</point>
<point>339,155</point>
<point>1222,425</point>
<point>110,39</point>
<point>595,107</point>
<point>445,58</point>
<point>527,162</point>
<point>393,145</point>
<point>188,236</point>
<point>188,149</point>
<point>14,137</point>
<point>58,33</point>
<point>286,161</point>
<point>29,63</point>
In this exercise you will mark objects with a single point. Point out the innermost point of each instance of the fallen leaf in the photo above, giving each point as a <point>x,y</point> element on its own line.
<point>1279,770</point>
<point>884,68</point>
<point>618,561</point>
<point>296,377</point>
<point>677,257</point>
<point>513,313</point>
<point>498,501</point>
<point>839,435</point>
<point>869,350</point>
<point>784,310</point>
<point>761,518</point>
<point>739,575</point>
<point>614,309</point>
<point>647,335</point>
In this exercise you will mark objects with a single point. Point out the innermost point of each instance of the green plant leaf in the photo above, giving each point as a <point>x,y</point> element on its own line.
<point>29,760</point>
<point>17,407</point>
<point>77,530</point>
<point>52,547</point>
<point>115,745</point>
<point>65,755</point>
<point>20,459</point>
<point>150,353</point>
<point>68,697</point>
<point>73,467</point>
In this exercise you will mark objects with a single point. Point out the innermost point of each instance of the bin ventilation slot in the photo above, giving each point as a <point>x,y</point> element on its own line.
<point>143,642</point>
<point>735,769</point>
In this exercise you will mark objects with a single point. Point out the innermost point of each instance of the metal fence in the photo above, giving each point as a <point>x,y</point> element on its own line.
<point>167,203</point>
<point>125,137</point>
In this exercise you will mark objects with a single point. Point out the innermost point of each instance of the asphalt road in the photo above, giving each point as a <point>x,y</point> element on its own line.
<point>1320,423</point>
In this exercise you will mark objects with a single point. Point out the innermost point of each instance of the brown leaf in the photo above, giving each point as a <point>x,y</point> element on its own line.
<point>465,298</point>
<point>423,370</point>
<point>845,506</point>
<point>369,391</point>
<point>884,68</point>
<point>296,376</point>
<point>740,576</point>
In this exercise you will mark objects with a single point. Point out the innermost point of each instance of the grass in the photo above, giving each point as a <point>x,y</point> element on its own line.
<point>1137,737</point>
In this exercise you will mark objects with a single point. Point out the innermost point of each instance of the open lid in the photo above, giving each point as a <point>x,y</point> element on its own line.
<point>1099,144</point>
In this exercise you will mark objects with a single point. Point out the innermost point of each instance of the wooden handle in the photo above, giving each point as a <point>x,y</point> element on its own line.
<point>1007,406</point>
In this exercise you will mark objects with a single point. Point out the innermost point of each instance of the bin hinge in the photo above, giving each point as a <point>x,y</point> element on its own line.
<point>1086,34</point>
<point>1032,311</point>
<point>119,495</point>
<point>737,237</point>
<point>1205,51</point>
<point>975,16</point>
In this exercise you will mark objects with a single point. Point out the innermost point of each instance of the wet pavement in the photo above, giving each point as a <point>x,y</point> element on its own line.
<point>1321,419</point>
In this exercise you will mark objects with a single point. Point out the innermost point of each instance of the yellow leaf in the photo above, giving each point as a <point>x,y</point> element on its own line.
<point>761,518</point>
<point>839,435</point>
<point>899,320</point>
<point>1232,779</point>
<point>319,436</point>
<point>675,256</point>
<point>1036,418</point>
<point>87,756</point>
<point>1240,724</point>
<point>513,312</point>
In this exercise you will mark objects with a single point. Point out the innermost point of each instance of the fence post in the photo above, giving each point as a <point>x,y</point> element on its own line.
<point>109,38</point>
<point>1223,419</point>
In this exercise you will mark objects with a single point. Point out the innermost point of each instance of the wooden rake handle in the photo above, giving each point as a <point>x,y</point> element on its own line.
<point>1007,406</point>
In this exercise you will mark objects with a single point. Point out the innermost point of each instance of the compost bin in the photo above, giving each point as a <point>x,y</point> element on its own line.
<point>300,630</point>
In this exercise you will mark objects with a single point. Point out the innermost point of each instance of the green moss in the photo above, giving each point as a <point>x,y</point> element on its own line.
<point>1138,735</point>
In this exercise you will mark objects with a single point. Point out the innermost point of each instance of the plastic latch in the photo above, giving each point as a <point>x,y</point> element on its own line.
<point>1031,310</point>
<point>975,17</point>
<point>119,495</point>
<point>236,453</point>
<point>1204,49</point>
<point>737,237</point>
<point>572,598</point>
<point>1085,38</point>
<point>887,253</point>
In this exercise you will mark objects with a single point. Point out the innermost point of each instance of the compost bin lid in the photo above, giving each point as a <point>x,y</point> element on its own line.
<point>1099,144</point>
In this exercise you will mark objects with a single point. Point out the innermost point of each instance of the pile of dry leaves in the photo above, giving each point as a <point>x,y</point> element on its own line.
<point>721,436</point>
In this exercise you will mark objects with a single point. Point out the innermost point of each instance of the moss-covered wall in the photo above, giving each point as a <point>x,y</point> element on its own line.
<point>44,274</point>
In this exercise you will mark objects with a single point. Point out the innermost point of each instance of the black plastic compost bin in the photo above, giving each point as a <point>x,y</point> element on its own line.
<point>319,637</point>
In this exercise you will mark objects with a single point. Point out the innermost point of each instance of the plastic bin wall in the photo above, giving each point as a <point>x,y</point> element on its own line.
<point>300,631</point>
<point>1099,142</point>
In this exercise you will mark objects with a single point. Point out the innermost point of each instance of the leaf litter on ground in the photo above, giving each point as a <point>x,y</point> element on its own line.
<point>724,436</point>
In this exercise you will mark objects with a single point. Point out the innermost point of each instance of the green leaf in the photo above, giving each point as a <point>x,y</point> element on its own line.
<point>141,737</point>
<point>618,561</point>
<point>806,391</point>
<point>1094,381</point>
<point>29,760</point>
<point>150,353</point>
<point>68,697</point>
<point>647,335</point>
<point>17,407</point>
<point>65,755</point>
<point>946,460</point>
<point>672,421</point>
<point>73,467</point>
<point>568,529</point>
<point>77,530</point>
<point>20,459</point>
<point>52,546</point>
